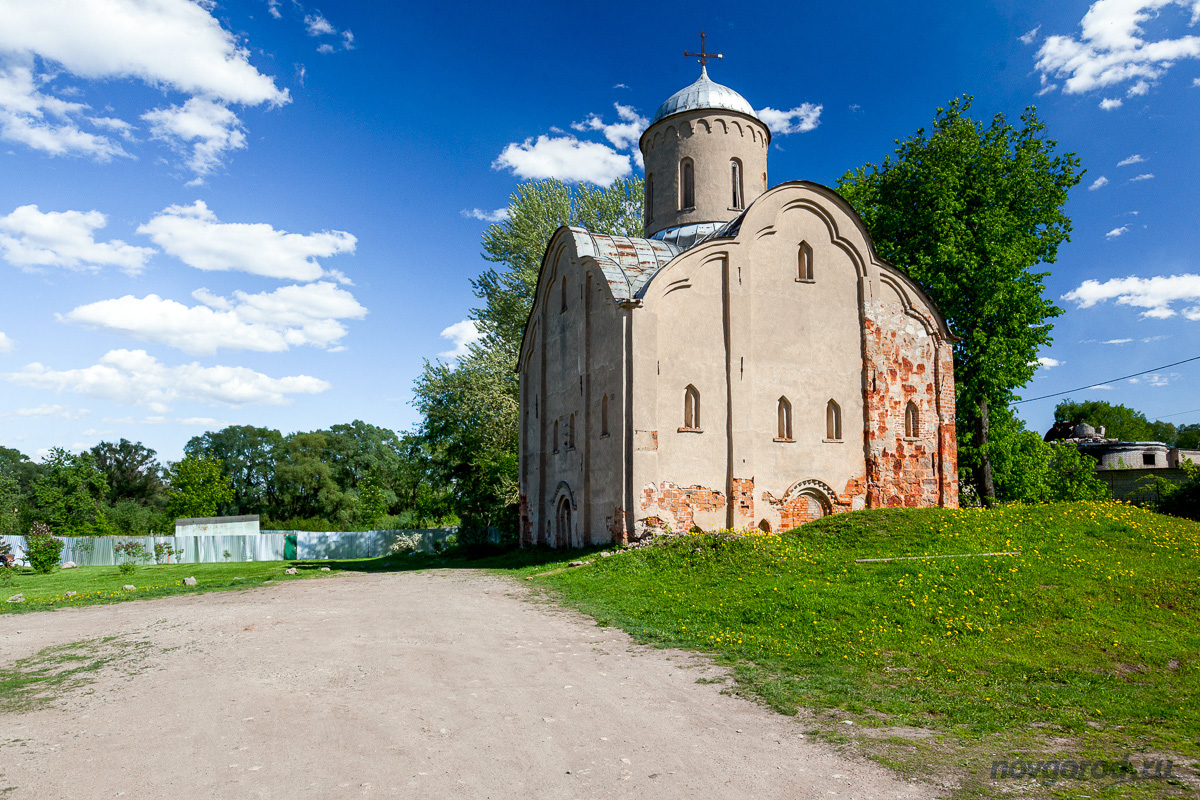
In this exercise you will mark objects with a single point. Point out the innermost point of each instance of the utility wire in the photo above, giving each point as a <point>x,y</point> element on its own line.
<point>1097,383</point>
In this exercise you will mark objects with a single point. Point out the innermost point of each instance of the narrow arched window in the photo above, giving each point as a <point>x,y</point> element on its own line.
<point>691,408</point>
<point>785,420</point>
<point>912,420</point>
<point>571,433</point>
<point>650,197</point>
<point>764,526</point>
<point>735,179</point>
<point>604,416</point>
<point>687,184</point>
<point>564,293</point>
<point>555,450</point>
<point>806,262</point>
<point>833,421</point>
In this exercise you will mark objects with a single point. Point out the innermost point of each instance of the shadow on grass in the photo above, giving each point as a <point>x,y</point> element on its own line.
<point>509,560</point>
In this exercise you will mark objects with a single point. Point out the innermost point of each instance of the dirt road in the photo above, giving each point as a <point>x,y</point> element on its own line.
<point>422,685</point>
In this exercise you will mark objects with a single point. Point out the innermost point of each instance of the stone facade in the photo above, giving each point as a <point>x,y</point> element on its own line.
<point>772,373</point>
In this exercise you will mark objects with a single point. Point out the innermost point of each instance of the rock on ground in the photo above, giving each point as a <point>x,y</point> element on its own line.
<point>425,684</point>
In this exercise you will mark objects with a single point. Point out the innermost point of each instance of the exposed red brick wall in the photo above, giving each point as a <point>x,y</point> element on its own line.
<point>616,526</point>
<point>743,502</point>
<point>920,471</point>
<point>682,503</point>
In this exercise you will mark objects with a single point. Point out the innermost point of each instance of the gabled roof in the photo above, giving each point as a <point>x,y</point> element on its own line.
<point>627,263</point>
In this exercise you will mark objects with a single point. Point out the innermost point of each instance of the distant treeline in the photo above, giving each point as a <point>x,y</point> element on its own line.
<point>349,477</point>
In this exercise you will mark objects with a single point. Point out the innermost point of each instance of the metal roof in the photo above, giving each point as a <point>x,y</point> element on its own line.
<point>684,236</point>
<point>704,93</point>
<point>628,263</point>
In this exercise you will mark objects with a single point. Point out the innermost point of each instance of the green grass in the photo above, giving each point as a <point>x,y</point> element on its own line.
<point>1089,638</point>
<point>29,683</point>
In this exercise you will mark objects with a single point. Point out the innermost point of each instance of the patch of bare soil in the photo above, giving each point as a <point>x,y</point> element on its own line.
<point>422,685</point>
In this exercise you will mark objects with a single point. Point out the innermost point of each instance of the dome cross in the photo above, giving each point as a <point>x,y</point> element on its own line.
<point>702,56</point>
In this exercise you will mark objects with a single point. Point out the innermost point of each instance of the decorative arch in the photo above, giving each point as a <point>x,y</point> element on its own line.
<point>804,259</point>
<point>818,491</point>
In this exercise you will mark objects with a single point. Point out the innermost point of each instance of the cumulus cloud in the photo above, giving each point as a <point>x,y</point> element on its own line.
<point>624,133</point>
<point>174,45</point>
<point>1048,362</point>
<point>6,343</point>
<point>463,334</point>
<point>209,129</point>
<point>1029,37</point>
<point>1099,182</point>
<point>135,378</point>
<point>1157,295</point>
<point>801,119</point>
<point>1145,176</point>
<point>168,43</point>
<point>1115,232</point>
<point>566,158</point>
<point>317,25</point>
<point>1112,47</point>
<point>1111,103</point>
<point>50,124</point>
<point>1133,159</point>
<point>499,215</point>
<point>291,316</point>
<point>195,236</point>
<point>32,239</point>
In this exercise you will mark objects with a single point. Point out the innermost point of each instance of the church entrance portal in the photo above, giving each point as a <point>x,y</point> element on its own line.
<point>562,523</point>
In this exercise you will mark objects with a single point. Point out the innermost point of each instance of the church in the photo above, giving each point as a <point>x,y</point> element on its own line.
<point>750,363</point>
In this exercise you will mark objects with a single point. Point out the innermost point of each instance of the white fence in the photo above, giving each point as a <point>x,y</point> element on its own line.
<point>98,551</point>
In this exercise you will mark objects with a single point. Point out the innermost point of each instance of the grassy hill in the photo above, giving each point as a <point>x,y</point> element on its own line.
<point>1090,633</point>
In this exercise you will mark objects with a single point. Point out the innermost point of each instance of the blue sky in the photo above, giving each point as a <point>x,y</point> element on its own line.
<point>268,212</point>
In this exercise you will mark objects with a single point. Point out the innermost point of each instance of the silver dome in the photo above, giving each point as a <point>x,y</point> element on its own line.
<point>704,93</point>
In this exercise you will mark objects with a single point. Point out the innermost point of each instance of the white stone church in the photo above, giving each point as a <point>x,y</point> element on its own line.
<point>750,363</point>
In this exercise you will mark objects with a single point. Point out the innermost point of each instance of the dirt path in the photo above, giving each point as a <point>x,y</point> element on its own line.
<point>402,685</point>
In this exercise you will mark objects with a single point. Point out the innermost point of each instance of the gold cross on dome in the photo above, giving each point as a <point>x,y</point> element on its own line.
<point>703,56</point>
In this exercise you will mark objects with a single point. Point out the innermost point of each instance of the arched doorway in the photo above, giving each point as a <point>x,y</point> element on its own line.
<point>562,522</point>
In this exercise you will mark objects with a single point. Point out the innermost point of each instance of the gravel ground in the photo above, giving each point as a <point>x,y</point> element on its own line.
<point>423,685</point>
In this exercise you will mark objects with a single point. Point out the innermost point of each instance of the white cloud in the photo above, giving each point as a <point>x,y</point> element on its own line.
<point>31,239</point>
<point>170,45</point>
<point>1103,386</point>
<point>1048,362</point>
<point>463,334</point>
<point>624,134</point>
<point>1145,176</point>
<point>347,40</point>
<point>273,7</point>
<point>6,343</point>
<point>291,316</point>
<point>195,236</point>
<point>566,158</point>
<point>191,422</point>
<point>1156,294</point>
<point>1115,232</point>
<point>166,43</point>
<point>1117,341</point>
<point>47,123</point>
<point>209,128</point>
<point>620,86</point>
<point>499,215</point>
<point>59,411</point>
<point>1047,86</point>
<point>1112,48</point>
<point>135,378</point>
<point>1110,103</point>
<point>801,119</point>
<point>318,26</point>
<point>1133,159</point>
<point>1099,182</point>
<point>1029,37</point>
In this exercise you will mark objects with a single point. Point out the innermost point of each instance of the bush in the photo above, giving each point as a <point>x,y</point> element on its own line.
<point>1183,499</point>
<point>42,550</point>
<point>130,555</point>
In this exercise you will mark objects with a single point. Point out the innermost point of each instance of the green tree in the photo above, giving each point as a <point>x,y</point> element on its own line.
<point>69,492</point>
<point>969,210</point>
<point>247,456</point>
<point>1072,475</point>
<point>1188,436</point>
<point>304,482</point>
<point>197,488</point>
<point>359,450</point>
<point>470,408</point>
<point>132,471</point>
<point>1118,421</point>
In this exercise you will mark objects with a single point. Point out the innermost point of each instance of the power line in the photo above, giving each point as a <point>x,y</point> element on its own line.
<point>1177,414</point>
<point>1097,383</point>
